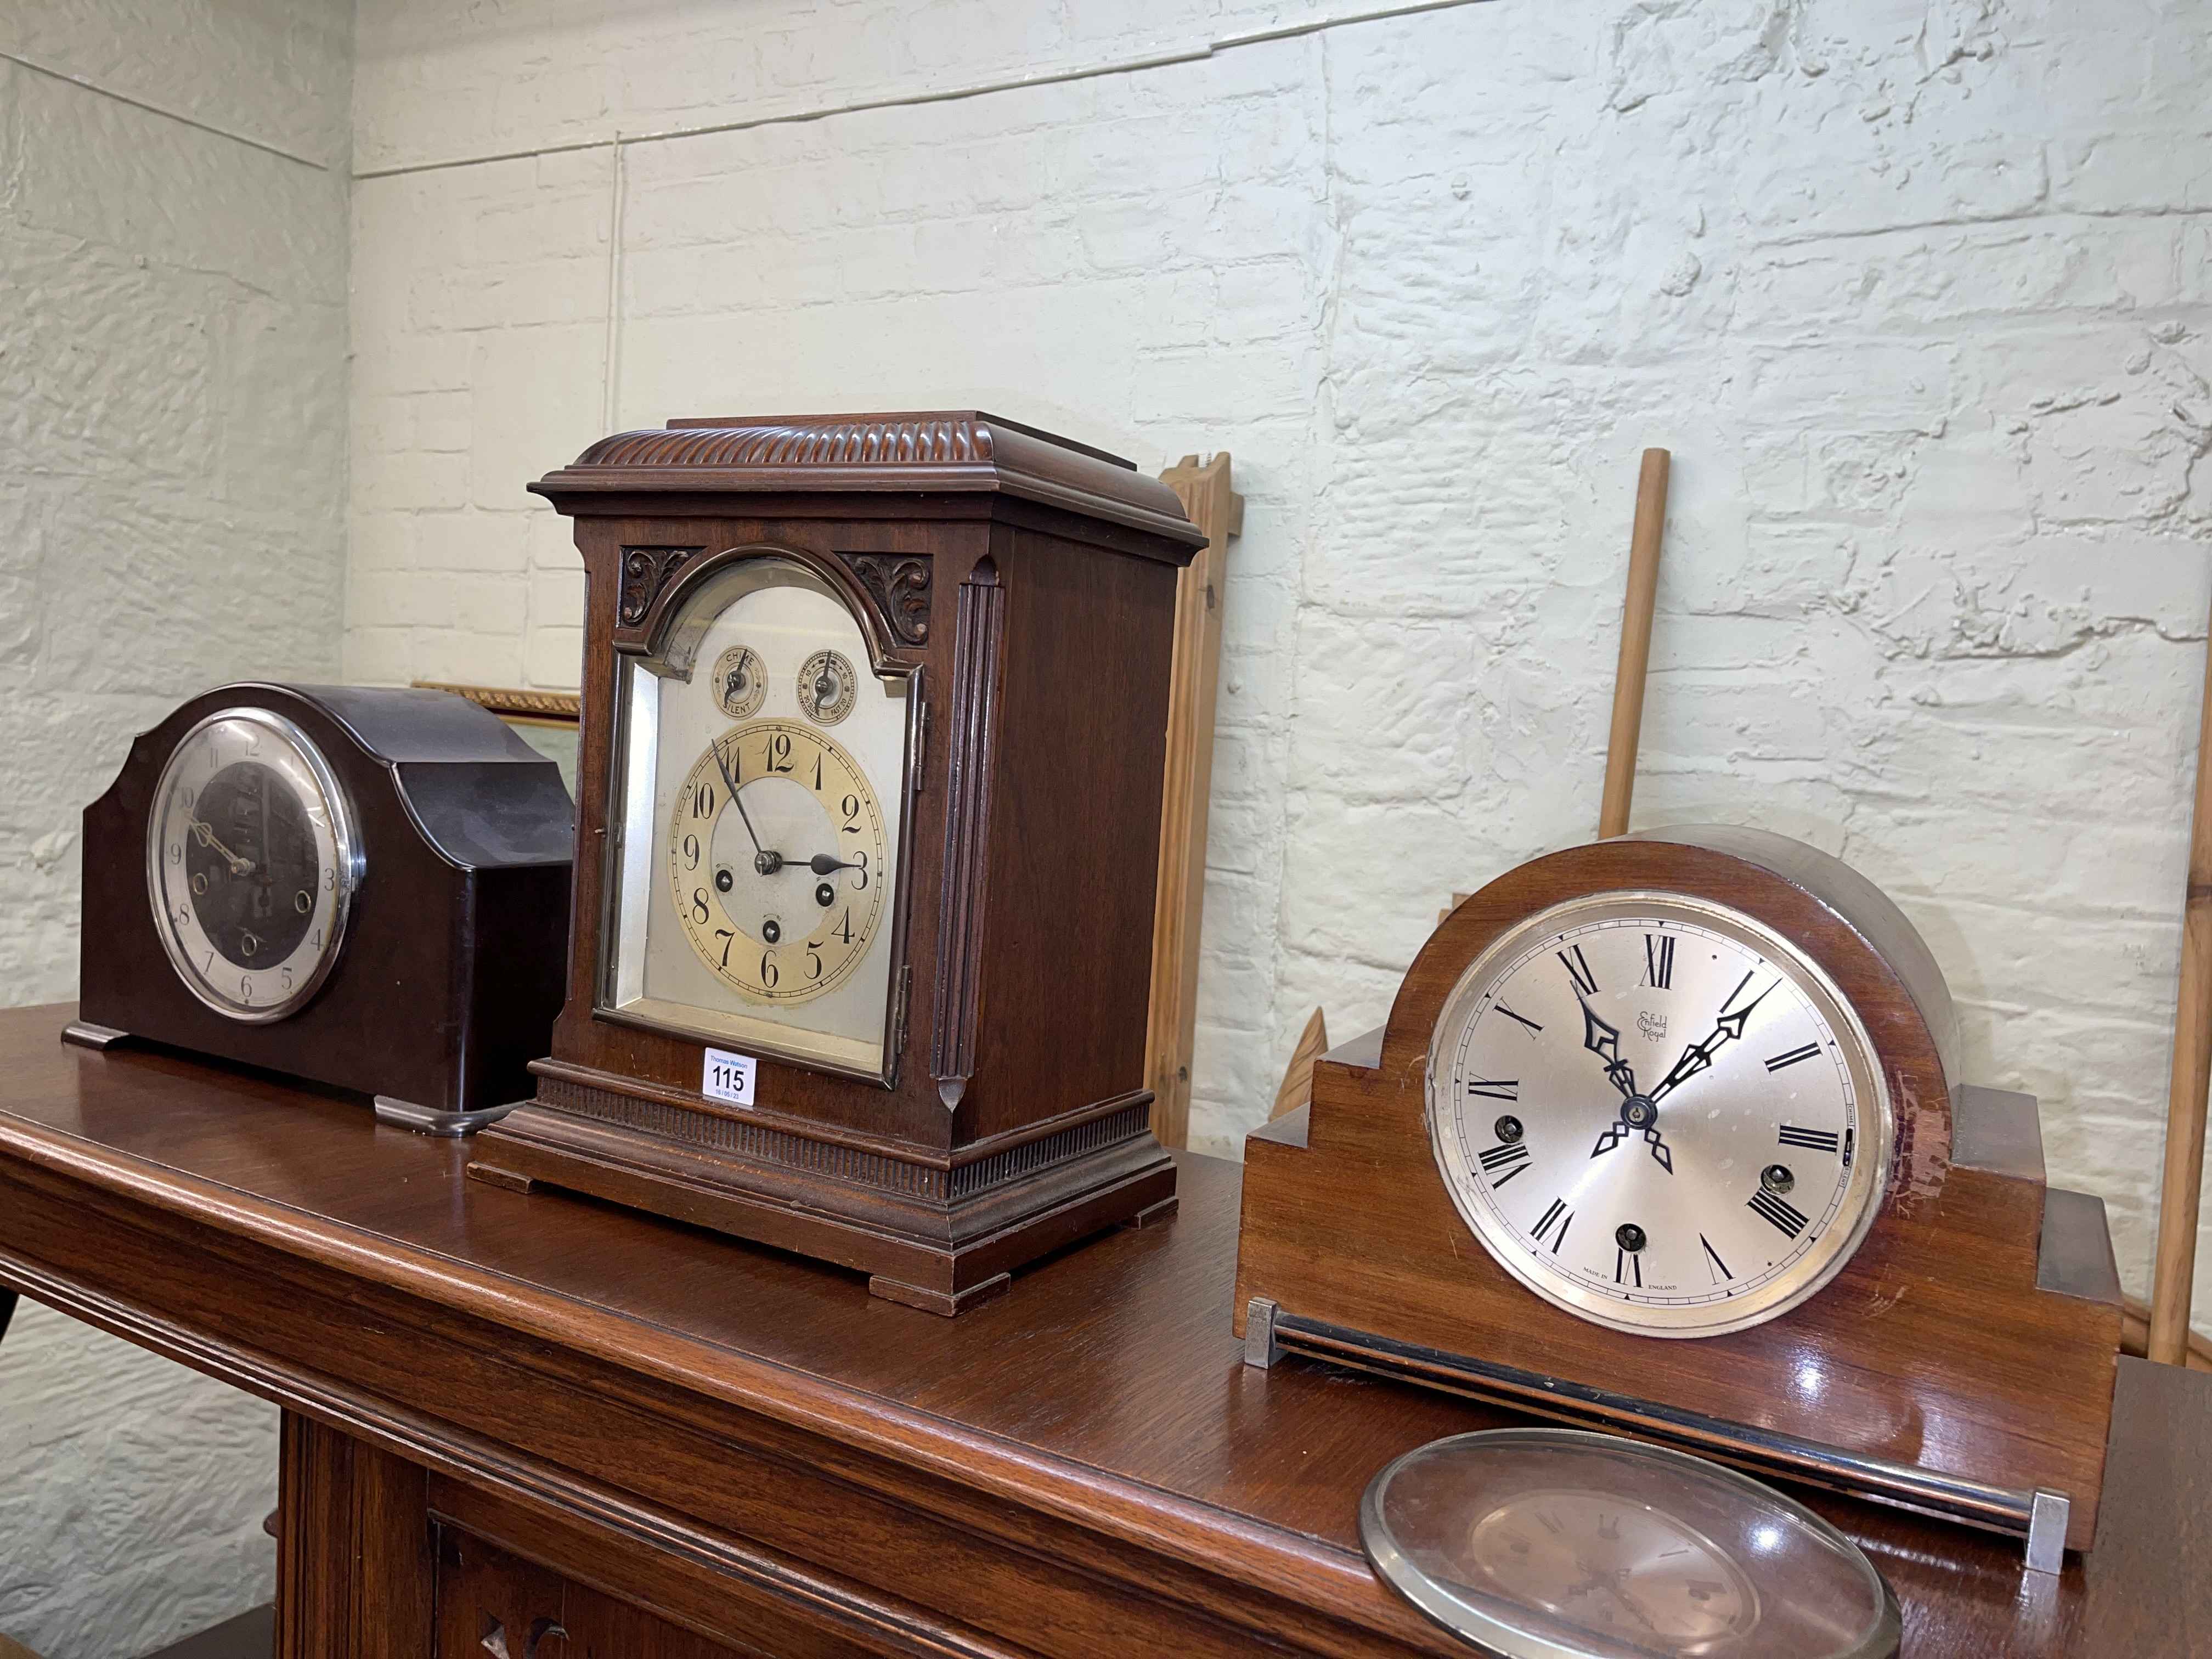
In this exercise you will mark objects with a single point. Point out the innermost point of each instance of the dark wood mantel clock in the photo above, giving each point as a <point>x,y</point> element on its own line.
<point>874,719</point>
<point>1666,1133</point>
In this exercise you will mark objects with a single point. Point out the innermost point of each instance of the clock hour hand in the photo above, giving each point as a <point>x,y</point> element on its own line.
<point>824,863</point>
<point>1636,1111</point>
<point>1604,1041</point>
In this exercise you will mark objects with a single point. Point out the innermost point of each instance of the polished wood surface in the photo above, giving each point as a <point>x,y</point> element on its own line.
<point>1006,577</point>
<point>1179,910</point>
<point>1974,1333</point>
<point>696,1426</point>
<point>1634,665</point>
<point>2181,1183</point>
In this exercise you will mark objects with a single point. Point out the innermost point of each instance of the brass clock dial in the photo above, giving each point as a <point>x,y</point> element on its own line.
<point>775,860</point>
<point>757,855</point>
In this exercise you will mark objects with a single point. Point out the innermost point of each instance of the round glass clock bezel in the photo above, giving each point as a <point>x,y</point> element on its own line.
<point>1872,1110</point>
<point>346,859</point>
<point>1498,1620</point>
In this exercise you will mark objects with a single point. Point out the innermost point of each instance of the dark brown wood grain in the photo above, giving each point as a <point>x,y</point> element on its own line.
<point>1011,579</point>
<point>714,1432</point>
<point>1948,1343</point>
<point>354,1567</point>
<point>452,965</point>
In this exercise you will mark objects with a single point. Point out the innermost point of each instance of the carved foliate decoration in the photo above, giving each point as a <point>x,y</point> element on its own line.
<point>899,585</point>
<point>645,572</point>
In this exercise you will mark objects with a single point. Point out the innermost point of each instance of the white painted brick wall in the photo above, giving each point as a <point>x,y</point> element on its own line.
<point>1916,290</point>
<point>172,478</point>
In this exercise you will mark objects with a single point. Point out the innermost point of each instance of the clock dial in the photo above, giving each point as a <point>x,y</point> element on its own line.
<point>1656,1113</point>
<point>826,687</point>
<point>775,858</point>
<point>740,683</point>
<point>756,856</point>
<point>251,864</point>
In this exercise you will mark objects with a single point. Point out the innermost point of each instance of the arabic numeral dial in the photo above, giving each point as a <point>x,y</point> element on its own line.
<point>1654,1112</point>
<point>776,857</point>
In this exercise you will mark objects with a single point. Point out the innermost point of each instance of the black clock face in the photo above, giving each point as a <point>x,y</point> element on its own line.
<point>253,876</point>
<point>250,863</point>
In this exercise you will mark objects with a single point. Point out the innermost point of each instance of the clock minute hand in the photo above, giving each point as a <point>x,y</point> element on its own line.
<point>764,862</point>
<point>205,834</point>
<point>1727,1029</point>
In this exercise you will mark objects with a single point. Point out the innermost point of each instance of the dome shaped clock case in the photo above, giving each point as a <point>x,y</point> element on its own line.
<point>361,885</point>
<point>1665,1132</point>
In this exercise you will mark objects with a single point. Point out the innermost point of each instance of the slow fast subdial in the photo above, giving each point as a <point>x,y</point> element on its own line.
<point>777,861</point>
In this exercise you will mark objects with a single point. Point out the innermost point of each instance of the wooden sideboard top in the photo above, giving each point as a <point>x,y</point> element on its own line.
<point>1097,1417</point>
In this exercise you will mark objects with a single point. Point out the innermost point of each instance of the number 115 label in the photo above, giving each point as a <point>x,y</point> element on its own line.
<point>727,1077</point>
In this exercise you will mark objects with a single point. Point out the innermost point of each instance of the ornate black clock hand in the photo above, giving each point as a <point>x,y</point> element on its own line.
<point>1636,1112</point>
<point>1727,1029</point>
<point>823,864</point>
<point>1604,1041</point>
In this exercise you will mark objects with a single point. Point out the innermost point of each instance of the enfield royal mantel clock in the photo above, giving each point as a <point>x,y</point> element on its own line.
<point>361,885</point>
<point>1665,1132</point>
<point>874,720</point>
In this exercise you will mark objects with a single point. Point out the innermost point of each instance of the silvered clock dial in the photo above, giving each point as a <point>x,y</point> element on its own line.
<point>1657,1114</point>
<point>757,862</point>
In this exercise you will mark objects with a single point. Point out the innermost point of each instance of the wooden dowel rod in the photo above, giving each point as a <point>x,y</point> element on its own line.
<point>1635,644</point>
<point>2176,1271</point>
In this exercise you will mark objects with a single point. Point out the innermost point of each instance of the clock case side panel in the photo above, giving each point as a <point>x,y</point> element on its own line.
<point>1934,1347</point>
<point>457,820</point>
<point>1071,860</point>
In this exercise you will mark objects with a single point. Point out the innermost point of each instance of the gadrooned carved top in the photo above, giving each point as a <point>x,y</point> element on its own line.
<point>891,441</point>
<point>958,451</point>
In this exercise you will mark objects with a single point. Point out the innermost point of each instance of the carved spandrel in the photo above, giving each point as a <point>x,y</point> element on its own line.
<point>645,572</point>
<point>899,584</point>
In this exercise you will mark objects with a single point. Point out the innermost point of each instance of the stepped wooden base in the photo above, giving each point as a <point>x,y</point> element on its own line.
<point>938,1252</point>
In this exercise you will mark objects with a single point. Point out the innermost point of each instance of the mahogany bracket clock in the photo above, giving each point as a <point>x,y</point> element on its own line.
<point>874,725</point>
<point>1666,1133</point>
<point>362,886</point>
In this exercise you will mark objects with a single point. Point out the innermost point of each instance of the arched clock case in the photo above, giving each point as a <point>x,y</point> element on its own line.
<point>1937,1328</point>
<point>874,722</point>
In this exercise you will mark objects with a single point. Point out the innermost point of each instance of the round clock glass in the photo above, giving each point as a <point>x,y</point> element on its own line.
<point>756,850</point>
<point>252,860</point>
<point>1559,1544</point>
<point>1657,1114</point>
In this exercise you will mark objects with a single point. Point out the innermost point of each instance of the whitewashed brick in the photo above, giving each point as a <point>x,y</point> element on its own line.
<point>1915,292</point>
<point>173,459</point>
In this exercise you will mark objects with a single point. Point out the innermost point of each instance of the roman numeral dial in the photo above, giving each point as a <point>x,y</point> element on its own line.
<point>1655,1113</point>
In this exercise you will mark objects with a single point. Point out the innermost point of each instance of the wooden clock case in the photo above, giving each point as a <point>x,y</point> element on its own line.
<point>1025,586</point>
<point>450,971</point>
<point>1962,1361</point>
